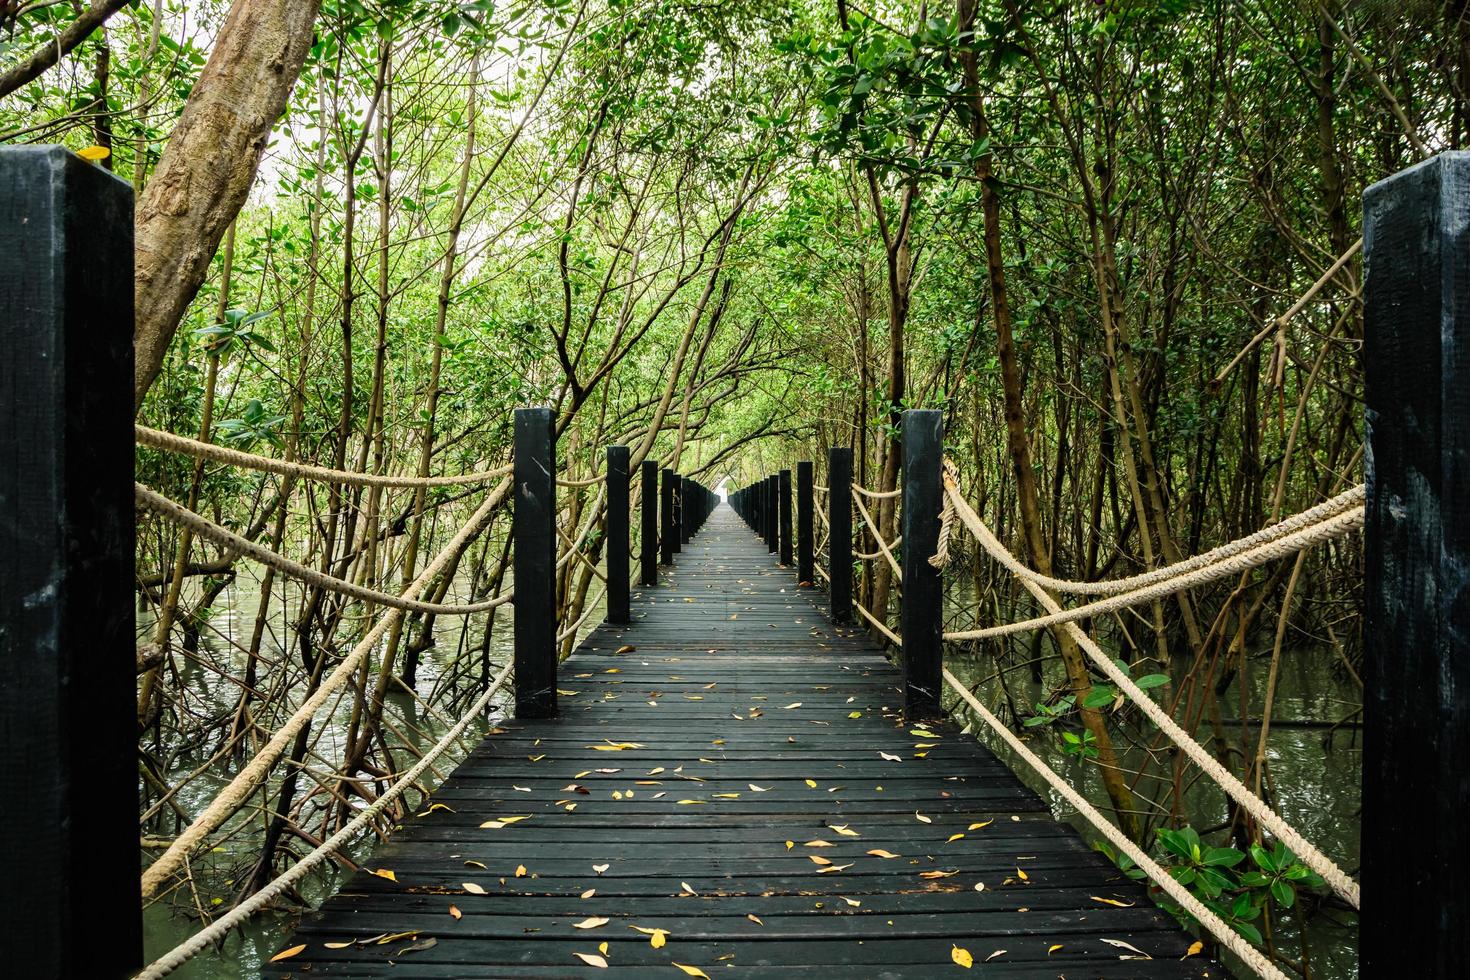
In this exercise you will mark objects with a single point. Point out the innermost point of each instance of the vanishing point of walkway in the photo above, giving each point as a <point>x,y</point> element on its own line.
<point>730,791</point>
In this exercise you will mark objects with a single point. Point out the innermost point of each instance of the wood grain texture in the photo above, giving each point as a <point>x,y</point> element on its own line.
<point>742,697</point>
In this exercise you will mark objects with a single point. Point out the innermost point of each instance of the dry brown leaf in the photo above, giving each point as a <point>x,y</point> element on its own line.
<point>455,912</point>
<point>286,954</point>
<point>853,902</point>
<point>754,918</point>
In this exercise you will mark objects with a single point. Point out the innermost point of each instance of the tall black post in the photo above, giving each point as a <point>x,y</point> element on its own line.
<point>678,537</point>
<point>648,532</point>
<point>618,600</point>
<point>805,541</point>
<point>1416,676</point>
<point>839,544</point>
<point>783,503</point>
<point>534,563</point>
<point>667,526</point>
<point>923,589</point>
<point>686,509</point>
<point>68,701</point>
<point>773,530</point>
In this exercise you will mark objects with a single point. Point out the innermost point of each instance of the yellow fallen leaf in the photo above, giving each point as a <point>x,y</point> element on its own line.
<point>726,796</point>
<point>953,837</point>
<point>337,945</point>
<point>1022,875</point>
<point>1195,948</point>
<point>475,864</point>
<point>754,918</point>
<point>520,871</point>
<point>628,648</point>
<point>589,893</point>
<point>938,874</point>
<point>845,830</point>
<point>592,959</point>
<point>472,888</point>
<point>818,859</point>
<point>854,714</point>
<point>833,868</point>
<point>1053,949</point>
<point>853,902</point>
<point>1112,901</point>
<point>656,937</point>
<point>981,825</point>
<point>921,818</point>
<point>385,873</point>
<point>602,947</point>
<point>286,954</point>
<point>694,971</point>
<point>961,956</point>
<point>455,912</point>
<point>790,844</point>
<point>881,853</point>
<point>691,802</point>
<point>591,922</point>
<point>811,783</point>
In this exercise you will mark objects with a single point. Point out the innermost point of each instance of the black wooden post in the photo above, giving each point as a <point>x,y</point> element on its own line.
<point>783,503</point>
<point>68,721</point>
<point>804,532</point>
<point>839,546</point>
<point>923,589</point>
<point>678,530</point>
<point>1416,674</point>
<point>534,563</point>
<point>773,530</point>
<point>686,509</point>
<point>618,545</point>
<point>648,533</point>
<point>666,519</point>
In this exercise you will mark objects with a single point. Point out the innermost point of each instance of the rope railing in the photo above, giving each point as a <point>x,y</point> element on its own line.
<point>588,482</point>
<point>1309,854</point>
<point>877,623</point>
<point>1202,914</point>
<point>238,915</point>
<point>173,443</point>
<point>237,791</point>
<point>233,543</point>
<point>883,547</point>
<point>877,494</point>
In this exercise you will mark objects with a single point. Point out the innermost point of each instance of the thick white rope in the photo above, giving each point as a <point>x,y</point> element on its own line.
<point>222,926</point>
<point>235,793</point>
<point>882,627</point>
<point>1327,530</point>
<point>587,611</point>
<point>173,443</point>
<point>878,538</point>
<point>1311,517</point>
<point>590,481</point>
<point>1217,927</point>
<point>876,494</point>
<point>1309,855</point>
<point>235,544</point>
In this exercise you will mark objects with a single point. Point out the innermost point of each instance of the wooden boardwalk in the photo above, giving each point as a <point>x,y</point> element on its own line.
<point>723,769</point>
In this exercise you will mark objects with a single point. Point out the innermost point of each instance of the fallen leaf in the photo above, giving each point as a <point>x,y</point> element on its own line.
<point>455,912</point>
<point>961,956</point>
<point>953,837</point>
<point>938,874</point>
<point>656,937</point>
<point>694,971</point>
<point>472,888</point>
<point>686,886</point>
<point>475,864</point>
<point>385,873</point>
<point>1195,948</point>
<point>520,871</point>
<point>759,789</point>
<point>854,714</point>
<point>833,868</point>
<point>790,844</point>
<point>1053,949</point>
<point>999,952</point>
<point>853,902</point>
<point>1022,875</point>
<point>845,831</point>
<point>602,947</point>
<point>591,922</point>
<point>419,946</point>
<point>337,945</point>
<point>794,704</point>
<point>754,918</point>
<point>881,853</point>
<point>627,648</point>
<point>285,954</point>
<point>600,868</point>
<point>592,959</point>
<point>981,825</point>
<point>818,859</point>
<point>921,818</point>
<point>1122,945</point>
<point>589,893</point>
<point>891,758</point>
<point>1112,901</point>
<point>811,783</point>
<point>691,802</point>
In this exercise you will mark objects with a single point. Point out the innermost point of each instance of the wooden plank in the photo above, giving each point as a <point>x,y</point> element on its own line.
<point>670,785</point>
<point>67,682</point>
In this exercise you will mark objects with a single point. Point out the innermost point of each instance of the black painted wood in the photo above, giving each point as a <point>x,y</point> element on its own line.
<point>773,519</point>
<point>839,540</point>
<point>783,503</point>
<point>736,692</point>
<point>667,533</point>
<point>805,575</point>
<point>534,563</point>
<point>648,532</point>
<point>618,546</point>
<point>922,614</point>
<point>678,481</point>
<point>1416,678</point>
<point>67,683</point>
